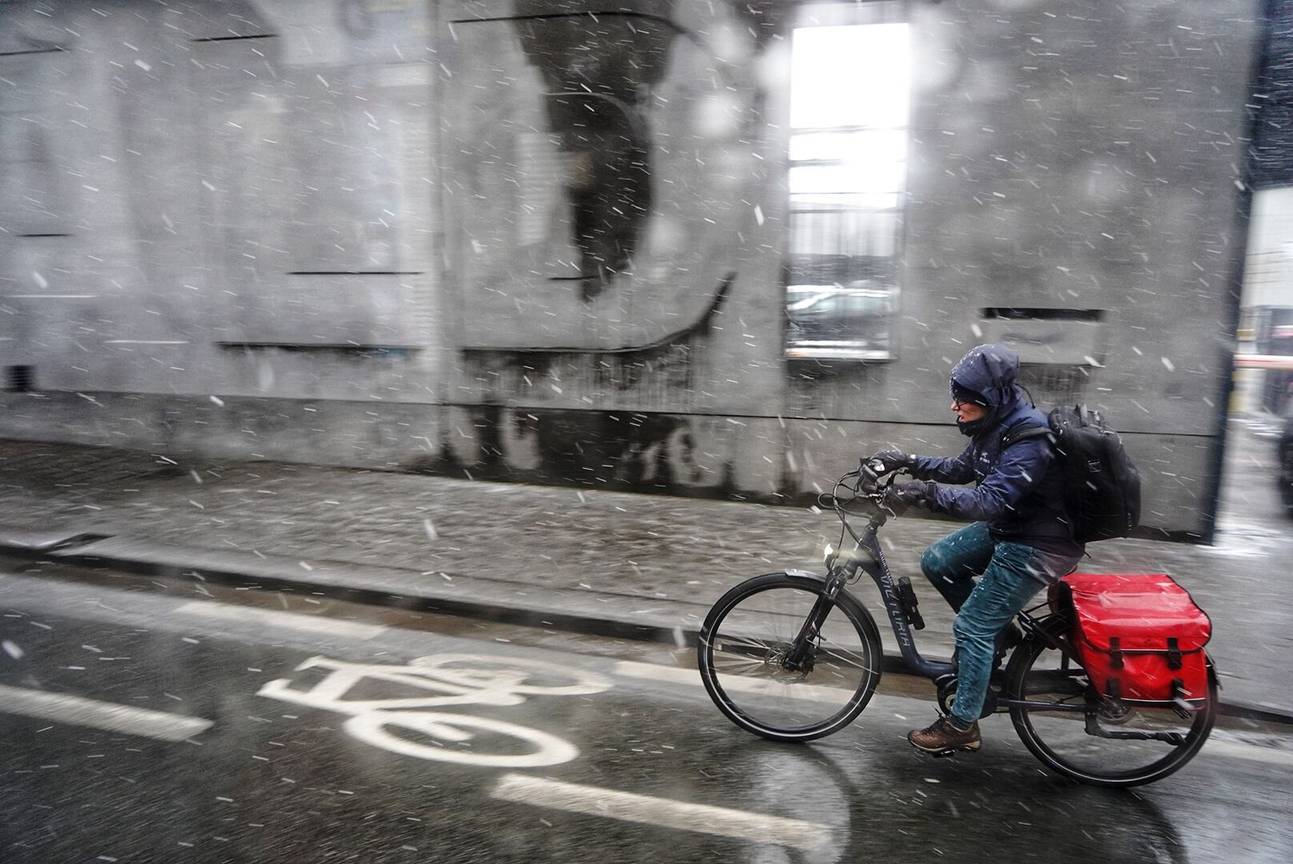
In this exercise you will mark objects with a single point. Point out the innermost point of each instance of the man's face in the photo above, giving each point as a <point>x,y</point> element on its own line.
<point>968,412</point>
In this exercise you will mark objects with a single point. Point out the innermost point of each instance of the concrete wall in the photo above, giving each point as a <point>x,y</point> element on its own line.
<point>386,234</point>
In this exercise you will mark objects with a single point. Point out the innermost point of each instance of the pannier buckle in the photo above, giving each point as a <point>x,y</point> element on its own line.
<point>1115,652</point>
<point>1173,653</point>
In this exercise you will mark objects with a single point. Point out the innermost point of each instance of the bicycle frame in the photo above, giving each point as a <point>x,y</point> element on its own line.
<point>868,557</point>
<point>873,564</point>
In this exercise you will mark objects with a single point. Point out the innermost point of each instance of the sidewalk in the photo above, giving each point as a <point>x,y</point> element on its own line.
<point>634,565</point>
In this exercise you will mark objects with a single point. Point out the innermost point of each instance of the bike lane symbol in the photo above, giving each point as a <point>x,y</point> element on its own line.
<point>449,680</point>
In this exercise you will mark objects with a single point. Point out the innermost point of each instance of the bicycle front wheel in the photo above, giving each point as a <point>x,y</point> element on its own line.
<point>748,635</point>
<point>1068,727</point>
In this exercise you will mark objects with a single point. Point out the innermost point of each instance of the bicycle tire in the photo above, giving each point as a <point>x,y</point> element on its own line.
<point>839,660</point>
<point>1023,719</point>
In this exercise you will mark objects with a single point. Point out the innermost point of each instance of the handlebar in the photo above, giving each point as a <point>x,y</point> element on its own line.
<point>866,484</point>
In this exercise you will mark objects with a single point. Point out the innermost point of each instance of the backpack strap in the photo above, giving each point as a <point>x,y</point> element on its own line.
<point>1017,434</point>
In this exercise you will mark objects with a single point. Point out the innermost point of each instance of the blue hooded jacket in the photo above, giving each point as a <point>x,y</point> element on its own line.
<point>1018,491</point>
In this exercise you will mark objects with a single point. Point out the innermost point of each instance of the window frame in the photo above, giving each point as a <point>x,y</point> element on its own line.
<point>877,279</point>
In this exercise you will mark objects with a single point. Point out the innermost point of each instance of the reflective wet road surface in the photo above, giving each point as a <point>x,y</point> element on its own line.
<point>159,726</point>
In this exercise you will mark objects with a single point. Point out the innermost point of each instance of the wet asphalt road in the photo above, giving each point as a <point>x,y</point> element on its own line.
<point>515,541</point>
<point>274,780</point>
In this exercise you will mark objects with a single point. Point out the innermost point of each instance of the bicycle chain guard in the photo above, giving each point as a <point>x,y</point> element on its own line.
<point>946,685</point>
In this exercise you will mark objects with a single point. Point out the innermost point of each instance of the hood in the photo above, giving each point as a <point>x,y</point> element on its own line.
<point>991,370</point>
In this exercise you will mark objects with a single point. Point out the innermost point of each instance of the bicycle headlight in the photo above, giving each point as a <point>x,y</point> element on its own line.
<point>828,554</point>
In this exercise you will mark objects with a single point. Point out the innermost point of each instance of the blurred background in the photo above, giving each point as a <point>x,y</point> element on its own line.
<point>288,286</point>
<point>706,248</point>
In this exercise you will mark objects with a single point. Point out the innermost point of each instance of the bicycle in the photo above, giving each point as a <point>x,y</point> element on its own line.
<point>792,656</point>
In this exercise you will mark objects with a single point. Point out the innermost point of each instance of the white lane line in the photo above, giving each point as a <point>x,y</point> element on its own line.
<point>1215,745</point>
<point>676,675</point>
<point>50,296</point>
<point>79,711</point>
<point>1251,752</point>
<point>663,812</point>
<point>281,620</point>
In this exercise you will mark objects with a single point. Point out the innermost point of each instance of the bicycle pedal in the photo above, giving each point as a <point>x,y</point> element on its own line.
<point>949,752</point>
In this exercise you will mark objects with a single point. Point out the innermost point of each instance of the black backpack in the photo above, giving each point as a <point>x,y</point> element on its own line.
<point>1101,486</point>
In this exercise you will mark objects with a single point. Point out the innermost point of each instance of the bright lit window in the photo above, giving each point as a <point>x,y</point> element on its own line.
<point>849,95</point>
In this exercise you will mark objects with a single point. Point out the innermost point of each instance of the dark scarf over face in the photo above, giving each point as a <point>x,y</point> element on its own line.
<point>971,428</point>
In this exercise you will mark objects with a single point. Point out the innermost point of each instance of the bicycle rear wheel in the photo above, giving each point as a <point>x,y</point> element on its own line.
<point>749,633</point>
<point>1071,730</point>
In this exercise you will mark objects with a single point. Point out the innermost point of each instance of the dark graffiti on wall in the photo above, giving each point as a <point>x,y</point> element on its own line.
<point>607,167</point>
<point>620,85</point>
<point>603,449</point>
<point>601,68</point>
<point>599,72</point>
<point>641,450</point>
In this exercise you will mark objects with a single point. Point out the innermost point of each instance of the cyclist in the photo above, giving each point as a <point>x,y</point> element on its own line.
<point>1019,540</point>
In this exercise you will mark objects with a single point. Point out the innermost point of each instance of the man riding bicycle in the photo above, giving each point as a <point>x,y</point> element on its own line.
<point>1020,540</point>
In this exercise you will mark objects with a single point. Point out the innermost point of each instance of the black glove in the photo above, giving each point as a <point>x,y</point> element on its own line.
<point>900,496</point>
<point>887,461</point>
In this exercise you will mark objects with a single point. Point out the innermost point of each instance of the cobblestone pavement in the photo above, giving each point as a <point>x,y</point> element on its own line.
<point>646,545</point>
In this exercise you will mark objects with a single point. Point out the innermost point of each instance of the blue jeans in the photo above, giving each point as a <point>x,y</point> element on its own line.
<point>1009,575</point>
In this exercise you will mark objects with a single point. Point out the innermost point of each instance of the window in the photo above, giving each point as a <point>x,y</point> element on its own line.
<point>849,93</point>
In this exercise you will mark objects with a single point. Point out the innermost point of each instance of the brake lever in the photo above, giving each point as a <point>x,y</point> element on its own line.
<point>868,479</point>
<point>882,497</point>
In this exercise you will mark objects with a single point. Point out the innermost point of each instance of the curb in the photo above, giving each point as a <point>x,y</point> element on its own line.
<point>586,612</point>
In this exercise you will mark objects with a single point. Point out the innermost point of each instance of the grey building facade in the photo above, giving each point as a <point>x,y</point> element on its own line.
<point>580,242</point>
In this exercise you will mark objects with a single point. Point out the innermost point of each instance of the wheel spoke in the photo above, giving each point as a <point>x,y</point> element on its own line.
<point>727,642</point>
<point>750,633</point>
<point>1071,729</point>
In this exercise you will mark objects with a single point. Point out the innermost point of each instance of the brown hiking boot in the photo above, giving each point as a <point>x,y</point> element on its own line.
<point>942,737</point>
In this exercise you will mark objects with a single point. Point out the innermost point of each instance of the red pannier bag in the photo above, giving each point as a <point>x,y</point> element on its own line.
<point>1139,636</point>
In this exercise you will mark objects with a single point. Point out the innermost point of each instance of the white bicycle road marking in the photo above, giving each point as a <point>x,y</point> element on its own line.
<point>372,728</point>
<point>109,716</point>
<point>663,812</point>
<point>450,680</point>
